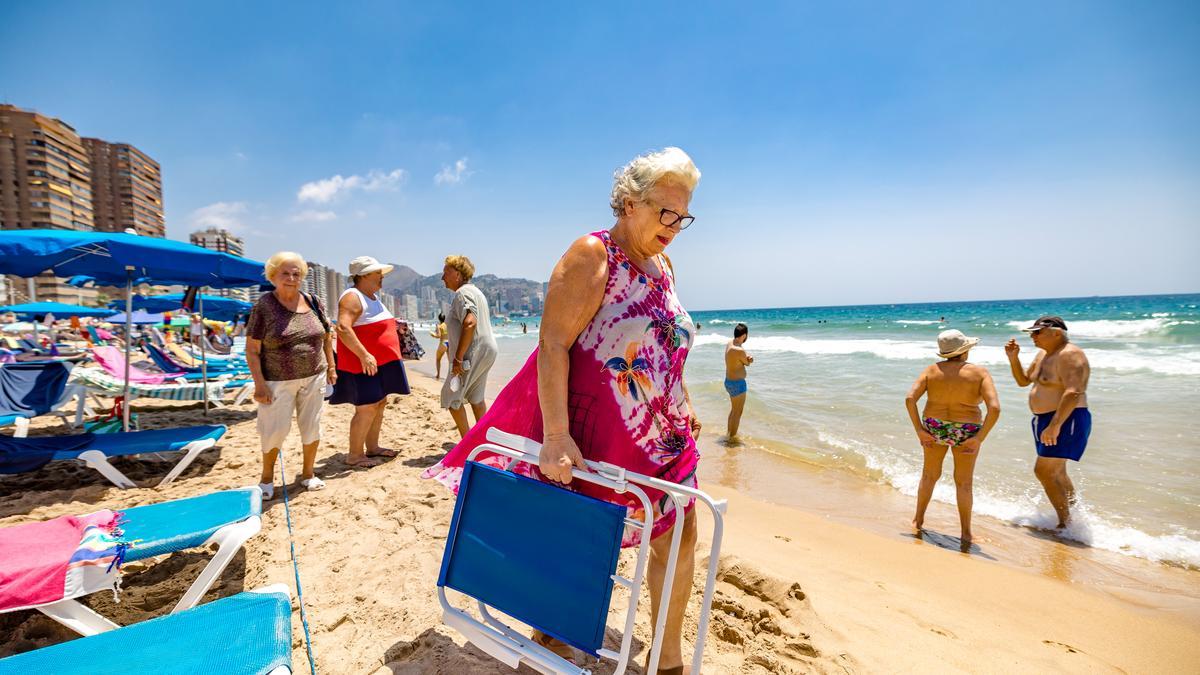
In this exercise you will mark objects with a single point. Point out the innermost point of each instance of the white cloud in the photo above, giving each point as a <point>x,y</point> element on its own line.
<point>327,189</point>
<point>312,216</point>
<point>225,215</point>
<point>453,175</point>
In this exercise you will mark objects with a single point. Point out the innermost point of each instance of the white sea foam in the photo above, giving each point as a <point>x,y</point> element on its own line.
<point>1110,328</point>
<point>1172,360</point>
<point>1026,507</point>
<point>918,322</point>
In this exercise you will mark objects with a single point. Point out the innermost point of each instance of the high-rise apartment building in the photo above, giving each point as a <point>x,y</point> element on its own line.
<point>126,188</point>
<point>45,183</point>
<point>217,239</point>
<point>317,282</point>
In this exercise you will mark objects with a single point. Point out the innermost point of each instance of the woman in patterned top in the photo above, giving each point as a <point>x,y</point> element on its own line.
<point>290,354</point>
<point>606,382</point>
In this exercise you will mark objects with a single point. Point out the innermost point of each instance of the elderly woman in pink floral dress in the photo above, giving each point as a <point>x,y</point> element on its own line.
<point>606,381</point>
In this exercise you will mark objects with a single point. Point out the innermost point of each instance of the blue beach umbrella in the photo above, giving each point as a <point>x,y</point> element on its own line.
<point>117,259</point>
<point>37,310</point>
<point>215,306</point>
<point>140,317</point>
<point>111,257</point>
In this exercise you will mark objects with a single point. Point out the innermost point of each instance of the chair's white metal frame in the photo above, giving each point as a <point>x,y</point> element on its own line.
<point>229,540</point>
<point>512,648</point>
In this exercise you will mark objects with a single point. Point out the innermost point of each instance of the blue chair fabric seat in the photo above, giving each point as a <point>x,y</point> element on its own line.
<point>557,576</point>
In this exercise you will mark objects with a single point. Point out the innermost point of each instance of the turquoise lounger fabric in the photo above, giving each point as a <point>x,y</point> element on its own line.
<point>156,529</point>
<point>247,633</point>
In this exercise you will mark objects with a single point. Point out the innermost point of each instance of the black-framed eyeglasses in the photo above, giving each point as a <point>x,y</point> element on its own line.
<point>670,218</point>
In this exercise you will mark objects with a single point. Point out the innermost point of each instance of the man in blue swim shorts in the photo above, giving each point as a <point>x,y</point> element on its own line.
<point>1061,420</point>
<point>736,360</point>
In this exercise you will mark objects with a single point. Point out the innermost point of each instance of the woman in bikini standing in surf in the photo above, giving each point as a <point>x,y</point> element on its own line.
<point>953,389</point>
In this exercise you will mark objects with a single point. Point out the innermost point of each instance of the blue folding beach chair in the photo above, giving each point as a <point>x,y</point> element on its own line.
<point>20,455</point>
<point>560,585</point>
<point>32,388</point>
<point>227,519</point>
<point>247,633</point>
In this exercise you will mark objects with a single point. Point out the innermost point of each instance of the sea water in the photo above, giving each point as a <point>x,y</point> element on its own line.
<point>827,389</point>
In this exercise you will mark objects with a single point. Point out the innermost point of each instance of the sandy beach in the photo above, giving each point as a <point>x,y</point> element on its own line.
<point>798,591</point>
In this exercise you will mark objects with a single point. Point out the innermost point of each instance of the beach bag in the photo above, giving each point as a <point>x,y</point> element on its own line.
<point>111,422</point>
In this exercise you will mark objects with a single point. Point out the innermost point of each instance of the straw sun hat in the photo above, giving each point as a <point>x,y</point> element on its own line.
<point>952,342</point>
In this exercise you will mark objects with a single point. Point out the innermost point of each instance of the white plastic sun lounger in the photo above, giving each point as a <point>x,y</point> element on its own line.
<point>250,633</point>
<point>227,519</point>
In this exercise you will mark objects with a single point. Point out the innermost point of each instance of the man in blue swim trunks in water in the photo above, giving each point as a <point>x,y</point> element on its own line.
<point>736,360</point>
<point>1061,420</point>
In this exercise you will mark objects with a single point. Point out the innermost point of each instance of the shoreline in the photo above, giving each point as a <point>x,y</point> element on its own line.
<point>797,591</point>
<point>779,473</point>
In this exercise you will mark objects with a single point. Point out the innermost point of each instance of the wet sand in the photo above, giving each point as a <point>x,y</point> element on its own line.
<point>800,590</point>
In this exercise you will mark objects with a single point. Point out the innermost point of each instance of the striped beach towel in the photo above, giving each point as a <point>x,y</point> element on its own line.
<point>98,379</point>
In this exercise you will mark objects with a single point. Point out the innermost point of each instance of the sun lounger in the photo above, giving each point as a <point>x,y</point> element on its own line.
<point>33,388</point>
<point>188,355</point>
<point>172,367</point>
<point>561,585</point>
<point>19,455</point>
<point>99,382</point>
<point>249,632</point>
<point>226,518</point>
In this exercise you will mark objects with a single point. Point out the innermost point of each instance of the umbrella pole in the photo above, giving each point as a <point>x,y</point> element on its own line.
<point>128,342</point>
<point>203,351</point>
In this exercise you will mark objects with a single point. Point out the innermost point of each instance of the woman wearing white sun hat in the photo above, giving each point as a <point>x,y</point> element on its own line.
<point>954,388</point>
<point>369,363</point>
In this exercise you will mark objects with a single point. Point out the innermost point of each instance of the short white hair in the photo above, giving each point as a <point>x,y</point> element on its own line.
<point>276,261</point>
<point>637,178</point>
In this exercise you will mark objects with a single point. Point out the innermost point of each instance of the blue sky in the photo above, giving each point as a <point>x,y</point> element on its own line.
<point>851,152</point>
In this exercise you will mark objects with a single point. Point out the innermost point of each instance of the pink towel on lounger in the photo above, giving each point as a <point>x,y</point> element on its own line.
<point>112,360</point>
<point>35,557</point>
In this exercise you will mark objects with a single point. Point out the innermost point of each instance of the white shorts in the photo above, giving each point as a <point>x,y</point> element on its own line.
<point>305,397</point>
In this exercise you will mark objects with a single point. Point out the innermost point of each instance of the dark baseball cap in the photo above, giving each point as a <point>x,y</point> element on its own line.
<point>1047,322</point>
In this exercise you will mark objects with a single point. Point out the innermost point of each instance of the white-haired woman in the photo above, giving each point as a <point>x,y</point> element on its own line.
<point>289,350</point>
<point>606,382</point>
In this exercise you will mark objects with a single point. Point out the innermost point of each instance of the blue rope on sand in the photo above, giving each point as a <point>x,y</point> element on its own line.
<point>312,665</point>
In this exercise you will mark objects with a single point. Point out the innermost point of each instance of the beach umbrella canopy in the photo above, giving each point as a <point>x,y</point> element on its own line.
<point>109,257</point>
<point>61,310</point>
<point>117,258</point>
<point>215,306</point>
<point>139,316</point>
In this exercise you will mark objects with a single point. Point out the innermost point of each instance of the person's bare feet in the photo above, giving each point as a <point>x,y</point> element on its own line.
<point>361,462</point>
<point>382,452</point>
<point>918,523</point>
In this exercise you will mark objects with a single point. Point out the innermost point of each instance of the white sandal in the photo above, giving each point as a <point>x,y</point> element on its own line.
<point>268,490</point>
<point>313,484</point>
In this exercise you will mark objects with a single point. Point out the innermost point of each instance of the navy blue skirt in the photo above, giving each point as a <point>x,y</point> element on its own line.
<point>360,389</point>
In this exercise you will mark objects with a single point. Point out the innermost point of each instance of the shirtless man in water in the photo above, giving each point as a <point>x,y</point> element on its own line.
<point>953,389</point>
<point>736,360</point>
<point>1061,420</point>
